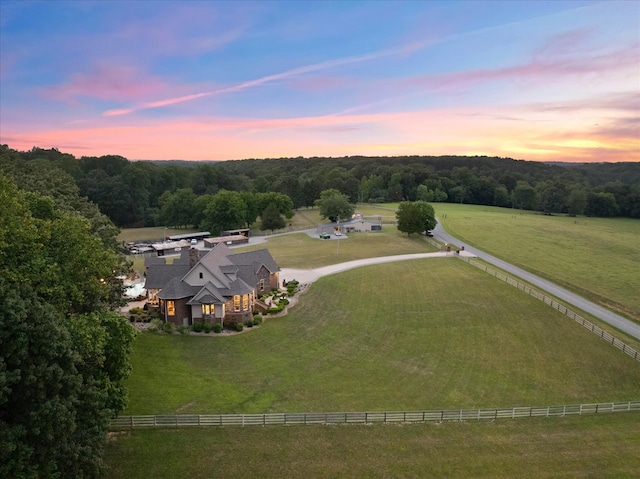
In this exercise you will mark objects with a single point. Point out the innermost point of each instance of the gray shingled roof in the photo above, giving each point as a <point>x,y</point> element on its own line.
<point>222,263</point>
<point>236,287</point>
<point>177,289</point>
<point>255,259</point>
<point>208,294</point>
<point>158,275</point>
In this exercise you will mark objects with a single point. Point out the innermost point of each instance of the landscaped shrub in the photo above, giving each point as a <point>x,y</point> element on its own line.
<point>168,327</point>
<point>257,320</point>
<point>155,326</point>
<point>273,310</point>
<point>249,323</point>
<point>207,328</point>
<point>217,328</point>
<point>198,327</point>
<point>182,329</point>
<point>239,327</point>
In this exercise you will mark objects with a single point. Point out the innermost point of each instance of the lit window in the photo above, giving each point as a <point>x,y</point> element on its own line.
<point>245,302</point>
<point>236,302</point>
<point>207,309</point>
<point>171,308</point>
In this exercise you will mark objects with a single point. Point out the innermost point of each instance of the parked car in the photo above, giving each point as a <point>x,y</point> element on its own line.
<point>337,233</point>
<point>324,236</point>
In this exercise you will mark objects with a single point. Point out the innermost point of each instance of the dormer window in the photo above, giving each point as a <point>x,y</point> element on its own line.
<point>201,275</point>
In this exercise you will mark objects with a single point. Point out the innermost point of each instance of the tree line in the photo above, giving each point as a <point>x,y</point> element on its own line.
<point>146,193</point>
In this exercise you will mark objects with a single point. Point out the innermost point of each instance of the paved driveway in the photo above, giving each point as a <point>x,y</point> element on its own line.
<point>311,275</point>
<point>615,320</point>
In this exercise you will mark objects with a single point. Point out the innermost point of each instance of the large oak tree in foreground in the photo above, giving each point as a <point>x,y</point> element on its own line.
<point>63,351</point>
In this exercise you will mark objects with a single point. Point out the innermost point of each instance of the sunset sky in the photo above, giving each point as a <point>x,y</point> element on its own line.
<point>214,80</point>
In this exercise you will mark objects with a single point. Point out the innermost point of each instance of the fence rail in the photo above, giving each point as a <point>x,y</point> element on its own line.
<point>625,348</point>
<point>284,419</point>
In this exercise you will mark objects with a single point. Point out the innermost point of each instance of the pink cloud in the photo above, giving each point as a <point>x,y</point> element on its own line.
<point>538,68</point>
<point>329,64</point>
<point>107,82</point>
<point>517,132</point>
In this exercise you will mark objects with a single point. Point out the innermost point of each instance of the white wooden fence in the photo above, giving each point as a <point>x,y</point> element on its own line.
<point>285,419</point>
<point>625,348</point>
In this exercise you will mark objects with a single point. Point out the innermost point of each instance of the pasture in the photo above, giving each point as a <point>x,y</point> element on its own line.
<point>599,258</point>
<point>417,335</point>
<point>594,446</point>
<point>424,334</point>
<point>299,250</point>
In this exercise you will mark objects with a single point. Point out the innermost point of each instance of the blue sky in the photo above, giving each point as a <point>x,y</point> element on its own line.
<point>201,80</point>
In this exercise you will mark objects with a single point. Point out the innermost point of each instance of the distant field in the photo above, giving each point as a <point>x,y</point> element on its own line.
<point>604,446</point>
<point>299,250</point>
<point>424,334</point>
<point>152,234</point>
<point>598,258</point>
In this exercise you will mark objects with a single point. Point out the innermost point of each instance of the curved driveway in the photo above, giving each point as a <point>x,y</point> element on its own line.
<point>615,320</point>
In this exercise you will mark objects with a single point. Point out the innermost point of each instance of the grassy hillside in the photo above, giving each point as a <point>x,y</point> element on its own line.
<point>598,258</point>
<point>426,334</point>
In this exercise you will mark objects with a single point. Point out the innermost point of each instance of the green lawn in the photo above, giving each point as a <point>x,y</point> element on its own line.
<point>603,446</point>
<point>151,233</point>
<point>598,258</point>
<point>427,334</point>
<point>299,250</point>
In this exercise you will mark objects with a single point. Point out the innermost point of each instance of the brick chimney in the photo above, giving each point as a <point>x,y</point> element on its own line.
<point>194,256</point>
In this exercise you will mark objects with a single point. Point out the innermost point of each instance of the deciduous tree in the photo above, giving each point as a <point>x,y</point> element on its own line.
<point>334,205</point>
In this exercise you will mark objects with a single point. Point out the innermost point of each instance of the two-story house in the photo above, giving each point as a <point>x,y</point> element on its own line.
<point>215,286</point>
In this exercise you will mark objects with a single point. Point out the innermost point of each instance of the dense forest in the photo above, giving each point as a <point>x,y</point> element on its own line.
<point>149,193</point>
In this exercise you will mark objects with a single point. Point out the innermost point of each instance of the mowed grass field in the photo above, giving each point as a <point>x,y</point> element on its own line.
<point>603,446</point>
<point>598,258</point>
<point>427,334</point>
<point>299,250</point>
<point>413,335</point>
